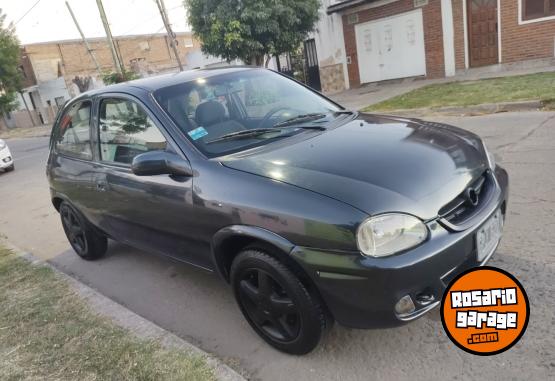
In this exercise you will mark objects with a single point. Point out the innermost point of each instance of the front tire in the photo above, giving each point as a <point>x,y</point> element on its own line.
<point>87,242</point>
<point>276,303</point>
<point>10,168</point>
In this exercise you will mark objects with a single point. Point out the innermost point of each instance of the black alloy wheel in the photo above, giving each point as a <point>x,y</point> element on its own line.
<point>269,306</point>
<point>74,231</point>
<point>87,242</point>
<point>277,305</point>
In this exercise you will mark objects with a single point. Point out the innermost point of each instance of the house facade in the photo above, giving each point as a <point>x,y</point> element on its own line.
<point>391,39</point>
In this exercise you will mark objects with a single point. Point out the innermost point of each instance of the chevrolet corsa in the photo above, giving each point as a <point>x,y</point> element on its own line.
<point>312,213</point>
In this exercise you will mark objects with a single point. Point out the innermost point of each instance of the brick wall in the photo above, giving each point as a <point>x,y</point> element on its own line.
<point>524,42</point>
<point>75,60</point>
<point>518,42</point>
<point>433,35</point>
<point>458,25</point>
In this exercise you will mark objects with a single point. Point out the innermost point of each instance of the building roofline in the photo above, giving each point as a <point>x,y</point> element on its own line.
<point>101,39</point>
<point>339,7</point>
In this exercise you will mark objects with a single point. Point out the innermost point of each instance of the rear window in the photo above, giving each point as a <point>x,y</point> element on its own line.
<point>73,136</point>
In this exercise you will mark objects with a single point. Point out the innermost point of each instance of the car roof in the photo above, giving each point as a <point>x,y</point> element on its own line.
<point>157,82</point>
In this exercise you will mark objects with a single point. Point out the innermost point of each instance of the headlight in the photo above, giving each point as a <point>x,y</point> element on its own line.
<point>388,234</point>
<point>491,158</point>
<point>2,144</point>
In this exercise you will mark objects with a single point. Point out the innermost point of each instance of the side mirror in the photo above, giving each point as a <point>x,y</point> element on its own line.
<point>160,163</point>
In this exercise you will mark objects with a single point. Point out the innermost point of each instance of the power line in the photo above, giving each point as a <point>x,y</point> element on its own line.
<point>26,13</point>
<point>148,19</point>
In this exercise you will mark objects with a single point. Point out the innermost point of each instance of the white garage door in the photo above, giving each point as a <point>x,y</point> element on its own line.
<point>391,48</point>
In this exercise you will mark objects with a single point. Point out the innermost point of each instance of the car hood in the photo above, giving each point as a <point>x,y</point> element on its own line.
<point>376,164</point>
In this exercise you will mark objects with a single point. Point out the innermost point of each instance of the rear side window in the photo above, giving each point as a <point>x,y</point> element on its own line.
<point>73,137</point>
<point>127,131</point>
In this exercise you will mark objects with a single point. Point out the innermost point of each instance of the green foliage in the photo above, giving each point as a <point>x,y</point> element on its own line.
<point>539,86</point>
<point>114,77</point>
<point>47,332</point>
<point>251,29</point>
<point>10,76</point>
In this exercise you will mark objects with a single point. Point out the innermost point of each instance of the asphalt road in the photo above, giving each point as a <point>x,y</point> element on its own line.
<point>199,307</point>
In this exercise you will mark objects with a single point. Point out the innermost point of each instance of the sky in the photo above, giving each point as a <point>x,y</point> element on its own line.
<point>50,20</point>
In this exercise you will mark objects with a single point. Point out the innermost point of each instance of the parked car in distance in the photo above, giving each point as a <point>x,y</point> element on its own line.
<point>312,213</point>
<point>6,159</point>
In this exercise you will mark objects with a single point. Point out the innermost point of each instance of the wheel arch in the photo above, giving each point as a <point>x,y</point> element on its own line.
<point>57,201</point>
<point>231,240</point>
<point>57,198</point>
<point>228,242</point>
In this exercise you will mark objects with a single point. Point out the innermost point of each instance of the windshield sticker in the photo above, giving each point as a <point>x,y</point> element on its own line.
<point>198,133</point>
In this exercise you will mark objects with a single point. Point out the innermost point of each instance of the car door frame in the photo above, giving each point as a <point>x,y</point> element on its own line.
<point>103,168</point>
<point>55,156</point>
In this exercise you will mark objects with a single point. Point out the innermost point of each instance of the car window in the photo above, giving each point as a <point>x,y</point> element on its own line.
<point>73,138</point>
<point>125,131</point>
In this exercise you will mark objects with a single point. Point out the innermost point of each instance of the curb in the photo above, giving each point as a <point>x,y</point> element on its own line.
<point>482,109</point>
<point>129,320</point>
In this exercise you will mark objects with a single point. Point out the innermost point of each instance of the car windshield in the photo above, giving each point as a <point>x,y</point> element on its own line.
<point>235,111</point>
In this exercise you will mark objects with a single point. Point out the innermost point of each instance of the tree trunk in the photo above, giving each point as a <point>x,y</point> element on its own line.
<point>257,60</point>
<point>268,59</point>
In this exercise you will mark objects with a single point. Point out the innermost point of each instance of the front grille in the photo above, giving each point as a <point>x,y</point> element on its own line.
<point>469,202</point>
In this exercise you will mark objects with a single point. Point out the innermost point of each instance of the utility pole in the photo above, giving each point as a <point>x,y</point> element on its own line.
<point>115,57</point>
<point>91,53</point>
<point>171,34</point>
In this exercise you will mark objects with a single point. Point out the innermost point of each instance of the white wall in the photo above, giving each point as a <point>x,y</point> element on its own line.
<point>196,59</point>
<point>50,90</point>
<point>330,44</point>
<point>448,37</point>
<point>21,104</point>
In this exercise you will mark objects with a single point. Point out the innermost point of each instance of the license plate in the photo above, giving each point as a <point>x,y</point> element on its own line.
<point>488,235</point>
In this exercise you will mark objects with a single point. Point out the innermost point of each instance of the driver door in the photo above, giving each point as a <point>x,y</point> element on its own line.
<point>151,212</point>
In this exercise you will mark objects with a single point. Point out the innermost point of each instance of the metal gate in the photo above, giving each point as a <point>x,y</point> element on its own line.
<point>312,68</point>
<point>302,65</point>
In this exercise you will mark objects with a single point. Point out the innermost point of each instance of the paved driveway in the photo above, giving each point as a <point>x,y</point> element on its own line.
<point>200,308</point>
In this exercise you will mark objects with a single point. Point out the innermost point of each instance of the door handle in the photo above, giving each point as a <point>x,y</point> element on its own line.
<point>101,186</point>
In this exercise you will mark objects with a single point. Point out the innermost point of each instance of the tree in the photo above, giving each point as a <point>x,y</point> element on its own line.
<point>250,30</point>
<point>10,76</point>
<point>112,77</point>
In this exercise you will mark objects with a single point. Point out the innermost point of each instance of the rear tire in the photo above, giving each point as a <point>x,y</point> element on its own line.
<point>84,238</point>
<point>276,303</point>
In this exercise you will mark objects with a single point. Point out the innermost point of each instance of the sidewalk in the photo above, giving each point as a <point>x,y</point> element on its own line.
<point>372,93</point>
<point>26,132</point>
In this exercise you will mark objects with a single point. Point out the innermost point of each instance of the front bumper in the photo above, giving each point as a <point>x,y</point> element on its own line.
<point>6,159</point>
<point>361,292</point>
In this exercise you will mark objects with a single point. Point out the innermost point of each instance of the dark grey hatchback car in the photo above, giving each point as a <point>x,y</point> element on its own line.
<point>311,212</point>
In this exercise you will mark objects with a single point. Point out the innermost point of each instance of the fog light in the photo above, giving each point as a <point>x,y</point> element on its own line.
<point>424,299</point>
<point>404,306</point>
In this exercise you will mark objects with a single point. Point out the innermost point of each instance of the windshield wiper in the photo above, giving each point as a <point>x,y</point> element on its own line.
<point>243,134</point>
<point>300,119</point>
<point>259,131</point>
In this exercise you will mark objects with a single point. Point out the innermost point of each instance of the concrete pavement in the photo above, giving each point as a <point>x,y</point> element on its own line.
<point>200,308</point>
